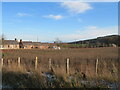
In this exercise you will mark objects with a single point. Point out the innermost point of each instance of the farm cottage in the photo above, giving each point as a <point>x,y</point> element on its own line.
<point>9,44</point>
<point>15,44</point>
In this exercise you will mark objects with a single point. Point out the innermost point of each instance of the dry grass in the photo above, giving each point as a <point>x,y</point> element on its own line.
<point>81,61</point>
<point>64,53</point>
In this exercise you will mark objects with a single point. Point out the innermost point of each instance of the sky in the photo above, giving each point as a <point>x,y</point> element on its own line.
<point>68,21</point>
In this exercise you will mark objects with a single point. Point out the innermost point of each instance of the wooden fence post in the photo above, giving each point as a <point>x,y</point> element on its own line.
<point>36,62</point>
<point>19,62</point>
<point>8,63</point>
<point>2,62</point>
<point>96,68</point>
<point>50,64</point>
<point>67,65</point>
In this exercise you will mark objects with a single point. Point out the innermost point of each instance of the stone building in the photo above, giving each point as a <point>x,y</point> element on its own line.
<point>14,44</point>
<point>9,44</point>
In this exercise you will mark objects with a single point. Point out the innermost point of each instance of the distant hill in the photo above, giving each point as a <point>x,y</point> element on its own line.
<point>101,41</point>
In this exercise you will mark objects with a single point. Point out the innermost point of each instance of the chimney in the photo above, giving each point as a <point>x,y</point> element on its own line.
<point>15,39</point>
<point>20,40</point>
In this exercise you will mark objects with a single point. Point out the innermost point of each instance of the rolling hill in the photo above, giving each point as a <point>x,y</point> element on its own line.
<point>100,41</point>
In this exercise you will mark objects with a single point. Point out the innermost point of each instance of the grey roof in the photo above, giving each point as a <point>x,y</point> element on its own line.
<point>36,43</point>
<point>9,42</point>
<point>27,42</point>
<point>13,42</point>
<point>39,44</point>
<point>31,43</point>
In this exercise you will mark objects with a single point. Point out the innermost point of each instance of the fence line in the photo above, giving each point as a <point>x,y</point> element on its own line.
<point>67,67</point>
<point>36,63</point>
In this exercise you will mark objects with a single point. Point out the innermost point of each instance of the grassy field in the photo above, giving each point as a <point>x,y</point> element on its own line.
<point>82,60</point>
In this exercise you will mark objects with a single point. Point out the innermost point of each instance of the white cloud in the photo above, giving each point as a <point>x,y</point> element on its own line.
<point>90,32</point>
<point>23,14</point>
<point>91,27</point>
<point>77,7</point>
<point>56,17</point>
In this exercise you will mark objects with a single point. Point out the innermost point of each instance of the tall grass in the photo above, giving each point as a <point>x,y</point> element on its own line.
<point>81,61</point>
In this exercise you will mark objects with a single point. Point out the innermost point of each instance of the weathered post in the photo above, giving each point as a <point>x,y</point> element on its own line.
<point>36,62</point>
<point>2,62</point>
<point>8,63</point>
<point>96,68</point>
<point>19,62</point>
<point>67,66</point>
<point>50,63</point>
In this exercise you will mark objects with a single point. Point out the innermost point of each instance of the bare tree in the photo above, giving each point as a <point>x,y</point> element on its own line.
<point>57,40</point>
<point>2,37</point>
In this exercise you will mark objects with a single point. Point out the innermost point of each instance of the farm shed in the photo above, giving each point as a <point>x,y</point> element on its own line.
<point>40,45</point>
<point>27,44</point>
<point>33,45</point>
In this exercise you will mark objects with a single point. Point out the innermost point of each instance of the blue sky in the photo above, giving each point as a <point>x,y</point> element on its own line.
<point>67,21</point>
